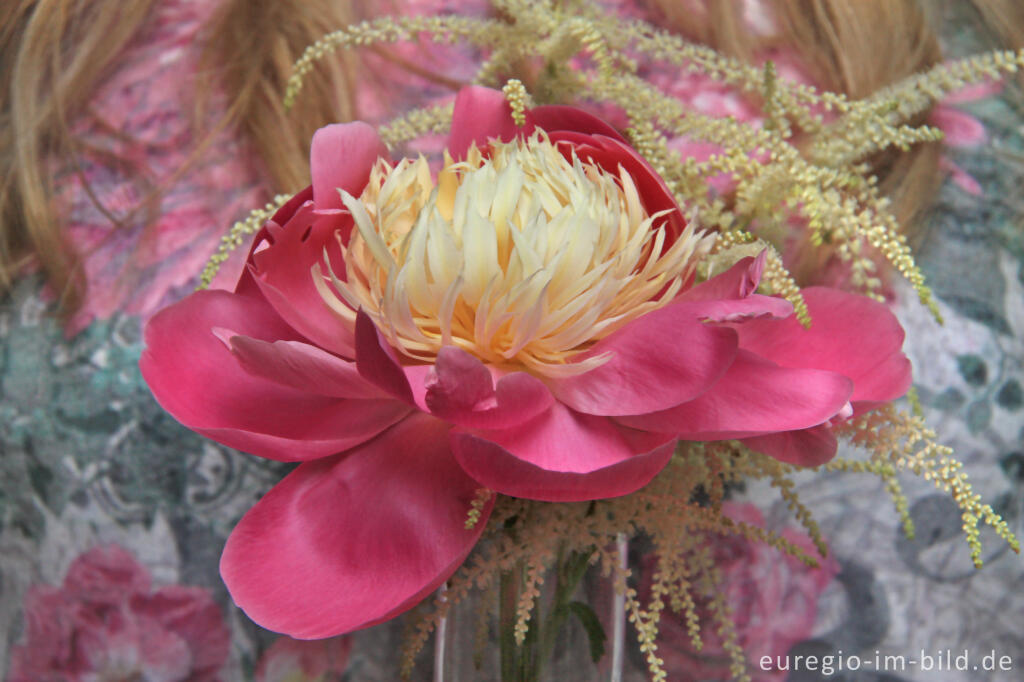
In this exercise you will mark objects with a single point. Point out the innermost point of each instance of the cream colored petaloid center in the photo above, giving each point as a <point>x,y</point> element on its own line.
<point>522,258</point>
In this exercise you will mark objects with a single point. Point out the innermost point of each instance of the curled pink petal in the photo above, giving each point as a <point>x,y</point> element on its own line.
<point>195,377</point>
<point>341,157</point>
<point>282,267</point>
<point>460,389</point>
<point>377,361</point>
<point>344,543</point>
<point>739,281</point>
<point>562,456</point>
<point>730,297</point>
<point>247,283</point>
<point>656,361</point>
<point>459,382</point>
<point>754,397</point>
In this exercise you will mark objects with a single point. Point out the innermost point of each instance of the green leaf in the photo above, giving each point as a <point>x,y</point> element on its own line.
<point>592,625</point>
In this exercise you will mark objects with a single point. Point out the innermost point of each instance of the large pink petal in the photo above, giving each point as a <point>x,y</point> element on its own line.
<point>658,360</point>
<point>344,543</point>
<point>562,456</point>
<point>754,397</point>
<point>195,377</point>
<point>301,366</point>
<point>341,157</point>
<point>850,334</point>
<point>806,447</point>
<point>462,390</point>
<point>282,265</point>
<point>480,115</point>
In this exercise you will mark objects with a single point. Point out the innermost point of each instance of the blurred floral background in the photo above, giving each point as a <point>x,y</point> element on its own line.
<point>113,516</point>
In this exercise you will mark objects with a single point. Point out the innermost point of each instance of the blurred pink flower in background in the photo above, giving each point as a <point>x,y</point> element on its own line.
<point>297,660</point>
<point>105,622</point>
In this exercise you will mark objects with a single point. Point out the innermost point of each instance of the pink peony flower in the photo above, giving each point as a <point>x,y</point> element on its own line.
<point>773,599</point>
<point>296,660</point>
<point>526,322</point>
<point>105,622</point>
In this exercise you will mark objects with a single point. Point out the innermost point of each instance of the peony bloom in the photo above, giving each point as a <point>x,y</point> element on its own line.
<point>296,660</point>
<point>773,599</point>
<point>525,321</point>
<point>106,623</point>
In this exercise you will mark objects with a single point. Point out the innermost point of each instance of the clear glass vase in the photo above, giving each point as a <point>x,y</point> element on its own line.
<point>576,632</point>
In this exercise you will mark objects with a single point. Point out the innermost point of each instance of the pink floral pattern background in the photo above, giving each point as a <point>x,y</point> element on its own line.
<point>105,572</point>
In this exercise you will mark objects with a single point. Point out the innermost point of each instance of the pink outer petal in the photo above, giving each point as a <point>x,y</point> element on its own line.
<point>853,335</point>
<point>480,115</point>
<point>342,156</point>
<point>461,389</point>
<point>282,264</point>
<point>562,456</point>
<point>555,117</point>
<point>301,366</point>
<point>754,397</point>
<point>657,361</point>
<point>730,297</point>
<point>806,447</point>
<point>347,542</point>
<point>195,377</point>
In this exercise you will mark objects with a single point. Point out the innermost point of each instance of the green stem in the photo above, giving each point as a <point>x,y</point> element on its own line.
<point>569,572</point>
<point>525,663</point>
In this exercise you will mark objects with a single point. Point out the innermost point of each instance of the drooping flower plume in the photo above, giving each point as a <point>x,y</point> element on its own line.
<point>527,322</point>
